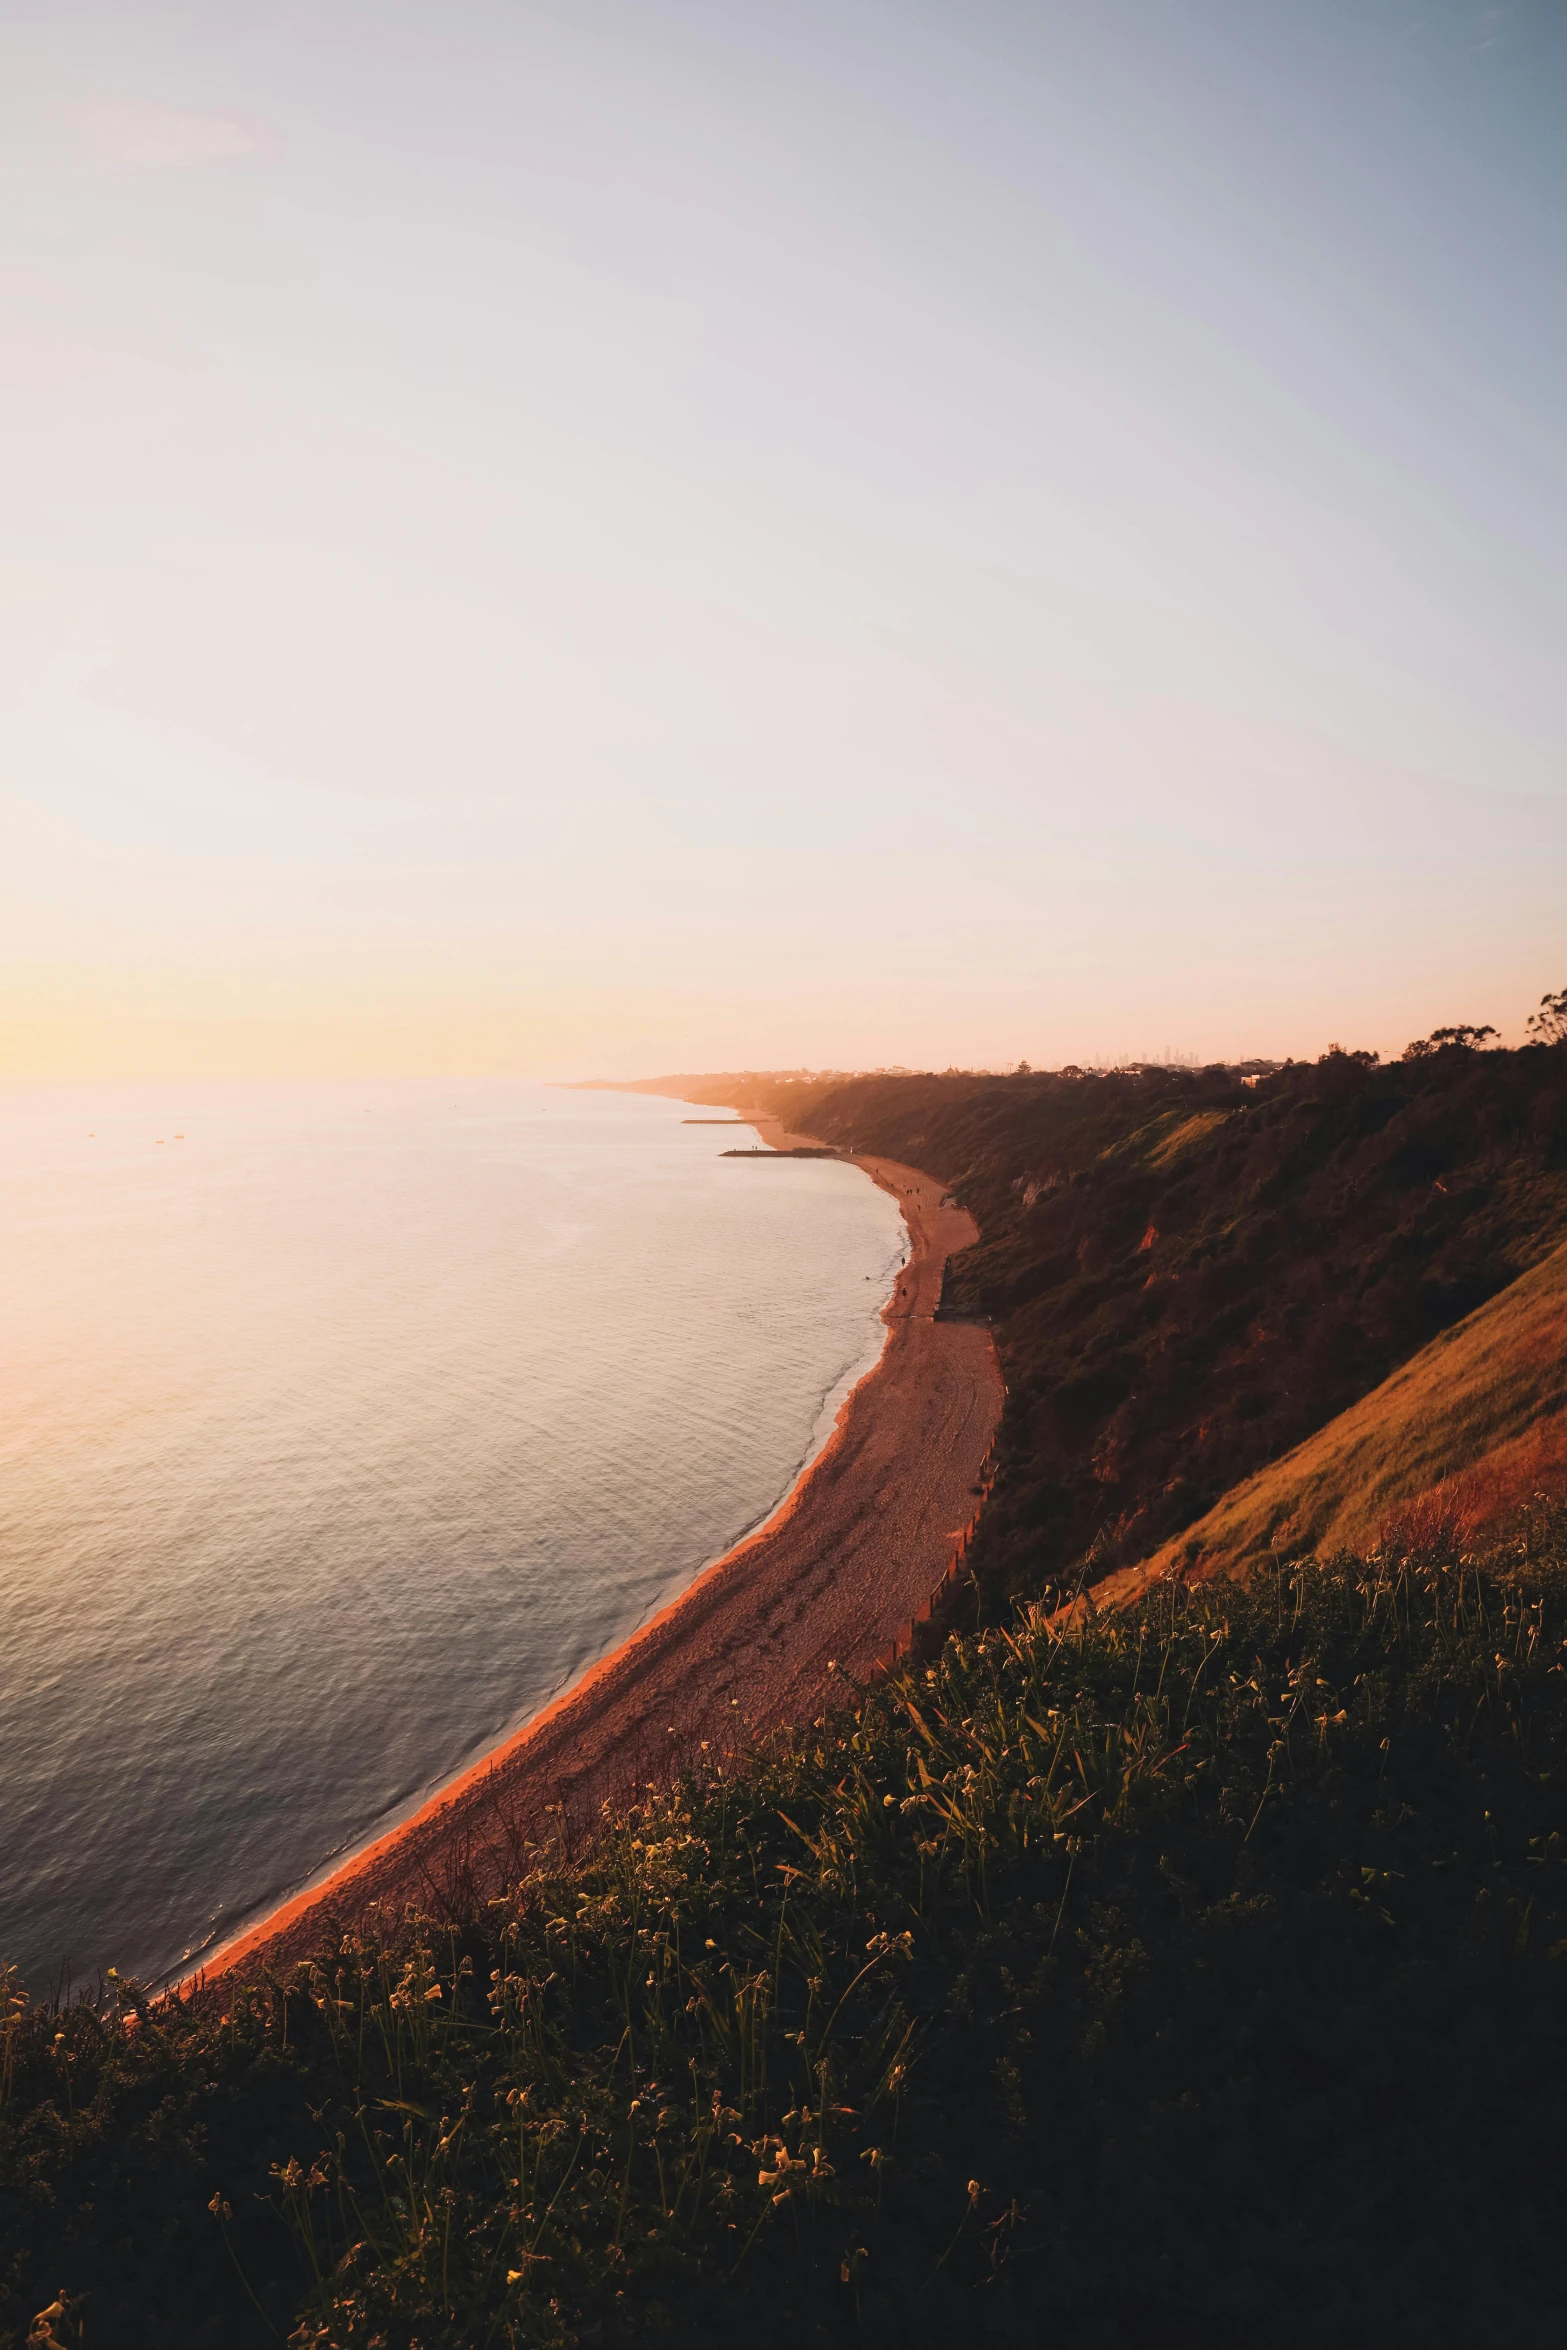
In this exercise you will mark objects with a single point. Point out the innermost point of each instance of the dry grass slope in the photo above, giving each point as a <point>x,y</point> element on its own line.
<point>1465,1430</point>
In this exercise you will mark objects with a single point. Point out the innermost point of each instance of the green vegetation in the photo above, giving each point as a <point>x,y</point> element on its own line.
<point>1189,1275</point>
<point>1196,1974</point>
<point>1468,1427</point>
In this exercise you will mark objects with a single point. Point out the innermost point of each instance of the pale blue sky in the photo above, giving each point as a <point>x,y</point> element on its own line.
<point>609,537</point>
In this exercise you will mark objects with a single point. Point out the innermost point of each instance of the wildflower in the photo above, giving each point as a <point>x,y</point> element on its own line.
<point>41,2334</point>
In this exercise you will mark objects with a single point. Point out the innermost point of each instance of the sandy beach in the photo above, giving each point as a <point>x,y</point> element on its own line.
<point>790,1620</point>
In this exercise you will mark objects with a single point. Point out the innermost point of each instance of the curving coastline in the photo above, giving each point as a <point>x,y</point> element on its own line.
<point>782,1624</point>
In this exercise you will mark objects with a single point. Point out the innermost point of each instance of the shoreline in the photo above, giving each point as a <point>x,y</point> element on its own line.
<point>868,1526</point>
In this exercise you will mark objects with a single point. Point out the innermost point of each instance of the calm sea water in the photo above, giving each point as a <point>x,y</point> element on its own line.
<point>339,1429</point>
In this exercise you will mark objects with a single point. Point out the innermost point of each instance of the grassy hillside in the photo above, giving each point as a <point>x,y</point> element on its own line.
<point>1194,1973</point>
<point>1468,1428</point>
<point>1200,1976</point>
<point>1189,1276</point>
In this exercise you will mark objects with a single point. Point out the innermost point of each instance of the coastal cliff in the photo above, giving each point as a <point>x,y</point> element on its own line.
<point>1167,1971</point>
<point>1190,1272</point>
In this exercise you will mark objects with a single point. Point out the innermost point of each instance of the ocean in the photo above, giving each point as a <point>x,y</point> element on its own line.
<point>342,1426</point>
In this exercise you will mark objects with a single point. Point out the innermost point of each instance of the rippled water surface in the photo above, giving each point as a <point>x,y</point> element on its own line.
<point>338,1429</point>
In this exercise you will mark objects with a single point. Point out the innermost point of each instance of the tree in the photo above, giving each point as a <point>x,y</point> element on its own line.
<point>1549,1024</point>
<point>1443,1040</point>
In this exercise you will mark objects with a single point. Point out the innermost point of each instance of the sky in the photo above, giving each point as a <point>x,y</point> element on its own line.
<point>589,539</point>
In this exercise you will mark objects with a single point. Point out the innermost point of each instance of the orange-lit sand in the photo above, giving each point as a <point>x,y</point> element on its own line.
<point>785,1623</point>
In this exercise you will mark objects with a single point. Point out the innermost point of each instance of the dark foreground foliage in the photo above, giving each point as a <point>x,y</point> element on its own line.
<point>1198,1976</point>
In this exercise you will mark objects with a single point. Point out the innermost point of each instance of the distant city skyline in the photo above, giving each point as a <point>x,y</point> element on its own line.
<point>594,540</point>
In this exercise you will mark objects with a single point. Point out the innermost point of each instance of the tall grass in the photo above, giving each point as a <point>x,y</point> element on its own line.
<point>1180,1975</point>
<point>1443,1448</point>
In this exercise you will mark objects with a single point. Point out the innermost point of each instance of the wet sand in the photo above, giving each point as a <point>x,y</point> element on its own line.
<point>789,1621</point>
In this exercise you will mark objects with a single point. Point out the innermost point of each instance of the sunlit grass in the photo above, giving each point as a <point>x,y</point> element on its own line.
<point>1462,1433</point>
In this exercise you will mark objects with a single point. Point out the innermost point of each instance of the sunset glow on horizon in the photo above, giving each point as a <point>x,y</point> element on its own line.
<point>589,541</point>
